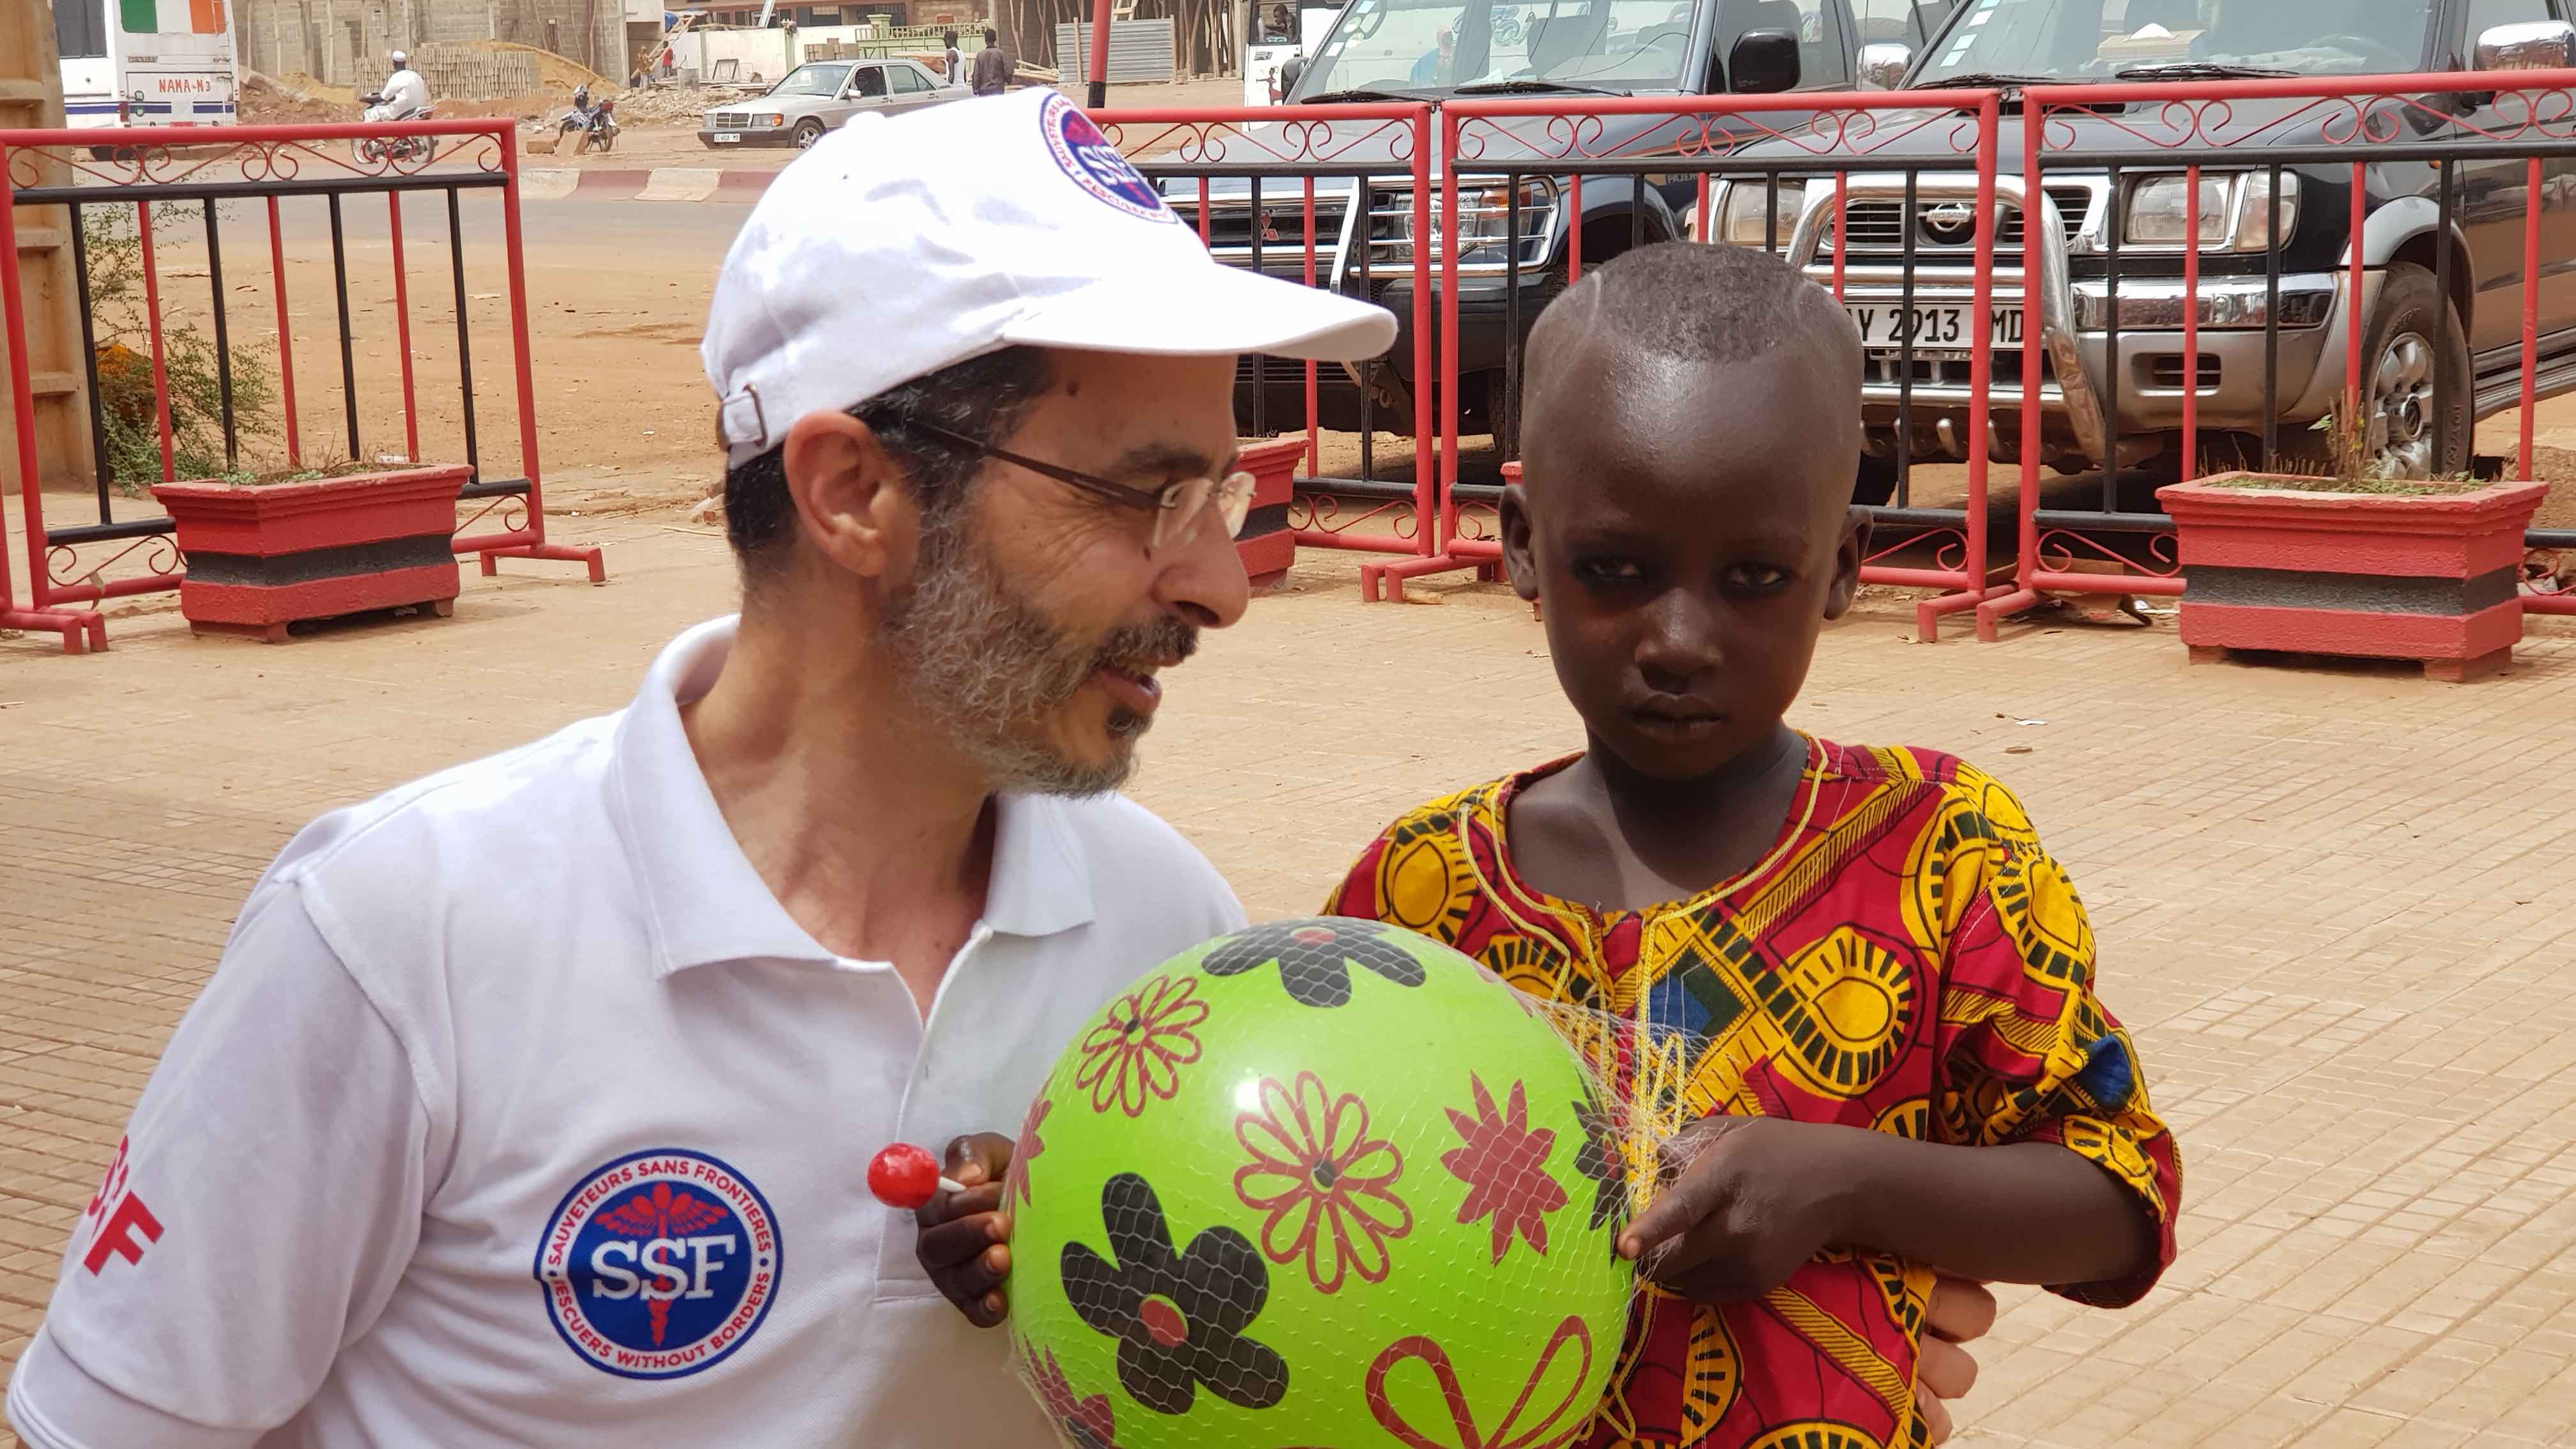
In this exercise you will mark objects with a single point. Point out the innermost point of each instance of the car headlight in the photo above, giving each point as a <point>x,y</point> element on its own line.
<point>1744,214</point>
<point>774,118</point>
<point>2254,210</point>
<point>1484,220</point>
<point>2235,210</point>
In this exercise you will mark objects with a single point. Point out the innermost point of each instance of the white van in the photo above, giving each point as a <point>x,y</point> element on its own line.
<point>147,62</point>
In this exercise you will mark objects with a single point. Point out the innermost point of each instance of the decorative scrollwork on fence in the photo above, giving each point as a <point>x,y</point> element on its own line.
<point>512,509</point>
<point>163,163</point>
<point>1321,513</point>
<point>157,554</point>
<point>1478,522</point>
<point>1719,134</point>
<point>1949,549</point>
<point>2542,113</point>
<point>1299,142</point>
<point>2548,573</point>
<point>2060,548</point>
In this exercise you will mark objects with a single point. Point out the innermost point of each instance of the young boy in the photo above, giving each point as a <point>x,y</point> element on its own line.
<point>1883,982</point>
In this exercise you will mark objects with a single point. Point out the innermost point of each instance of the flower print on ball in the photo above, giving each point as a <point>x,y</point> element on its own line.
<point>1603,1159</point>
<point>1088,1423</point>
<point>1139,1050</point>
<point>1315,956</point>
<point>1015,1185</point>
<point>1178,1317</point>
<point>1503,1161</point>
<point>1324,1185</point>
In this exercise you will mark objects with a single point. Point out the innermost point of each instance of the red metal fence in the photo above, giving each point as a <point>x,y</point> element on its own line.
<point>74,566</point>
<point>2035,208</point>
<point>1327,165</point>
<point>1664,157</point>
<point>2374,133</point>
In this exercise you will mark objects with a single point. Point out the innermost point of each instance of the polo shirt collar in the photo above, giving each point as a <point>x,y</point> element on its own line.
<point>703,901</point>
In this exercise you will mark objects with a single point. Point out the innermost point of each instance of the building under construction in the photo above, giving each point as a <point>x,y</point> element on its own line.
<point>344,42</point>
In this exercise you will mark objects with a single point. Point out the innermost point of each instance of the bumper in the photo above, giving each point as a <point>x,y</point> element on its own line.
<point>2082,413</point>
<point>776,136</point>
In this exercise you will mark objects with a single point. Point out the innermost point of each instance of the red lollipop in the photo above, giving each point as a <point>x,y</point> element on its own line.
<point>907,1177</point>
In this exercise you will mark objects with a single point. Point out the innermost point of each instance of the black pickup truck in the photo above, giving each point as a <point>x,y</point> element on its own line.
<point>1439,49</point>
<point>2440,307</point>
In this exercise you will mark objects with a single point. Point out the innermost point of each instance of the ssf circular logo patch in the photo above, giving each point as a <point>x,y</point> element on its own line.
<point>1082,153</point>
<point>659,1264</point>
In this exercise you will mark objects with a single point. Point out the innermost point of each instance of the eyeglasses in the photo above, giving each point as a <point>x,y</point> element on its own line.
<point>1176,506</point>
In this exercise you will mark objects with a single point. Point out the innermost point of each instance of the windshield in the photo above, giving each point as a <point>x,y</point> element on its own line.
<point>2093,39</point>
<point>812,80</point>
<point>1439,44</point>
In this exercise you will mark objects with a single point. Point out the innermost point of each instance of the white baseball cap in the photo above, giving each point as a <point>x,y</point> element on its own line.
<point>896,247</point>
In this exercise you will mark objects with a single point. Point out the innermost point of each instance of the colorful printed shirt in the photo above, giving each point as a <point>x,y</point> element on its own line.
<point>1906,959</point>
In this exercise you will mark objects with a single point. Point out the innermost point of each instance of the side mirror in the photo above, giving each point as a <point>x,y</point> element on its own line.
<point>2530,45</point>
<point>1883,65</point>
<point>1764,62</point>
<point>1289,70</point>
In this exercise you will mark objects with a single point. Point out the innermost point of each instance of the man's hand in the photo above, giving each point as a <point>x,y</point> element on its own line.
<point>1958,1312</point>
<point>963,1234</point>
<point>1755,1198</point>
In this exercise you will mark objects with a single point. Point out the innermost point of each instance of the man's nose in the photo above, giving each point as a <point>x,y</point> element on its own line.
<point>1201,577</point>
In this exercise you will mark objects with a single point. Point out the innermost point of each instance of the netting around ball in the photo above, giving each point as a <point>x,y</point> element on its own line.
<point>1322,1182</point>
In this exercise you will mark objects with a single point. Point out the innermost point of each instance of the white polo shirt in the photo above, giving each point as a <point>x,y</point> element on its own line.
<point>519,1112</point>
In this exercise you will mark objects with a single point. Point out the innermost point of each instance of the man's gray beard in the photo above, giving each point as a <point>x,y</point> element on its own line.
<point>985,668</point>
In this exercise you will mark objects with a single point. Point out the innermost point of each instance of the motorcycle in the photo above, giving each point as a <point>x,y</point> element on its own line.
<point>374,149</point>
<point>597,124</point>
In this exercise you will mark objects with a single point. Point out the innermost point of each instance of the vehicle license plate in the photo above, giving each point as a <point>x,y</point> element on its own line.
<point>1888,328</point>
<point>727,138</point>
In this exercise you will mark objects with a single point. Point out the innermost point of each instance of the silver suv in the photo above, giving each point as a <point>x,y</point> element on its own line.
<point>2440,309</point>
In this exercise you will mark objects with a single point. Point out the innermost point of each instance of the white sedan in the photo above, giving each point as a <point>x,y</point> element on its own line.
<point>821,95</point>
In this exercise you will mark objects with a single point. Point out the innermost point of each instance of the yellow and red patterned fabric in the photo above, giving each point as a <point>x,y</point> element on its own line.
<point>1906,959</point>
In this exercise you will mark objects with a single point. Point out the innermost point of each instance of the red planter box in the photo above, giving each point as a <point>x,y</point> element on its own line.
<point>261,557</point>
<point>1266,545</point>
<point>2434,578</point>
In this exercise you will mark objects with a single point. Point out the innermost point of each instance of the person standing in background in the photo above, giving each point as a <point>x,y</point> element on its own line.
<point>994,66</point>
<point>954,72</point>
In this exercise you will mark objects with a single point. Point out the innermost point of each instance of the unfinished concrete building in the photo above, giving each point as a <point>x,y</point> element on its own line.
<point>343,42</point>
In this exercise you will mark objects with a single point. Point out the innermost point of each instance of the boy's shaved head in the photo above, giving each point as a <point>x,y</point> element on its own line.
<point>1683,302</point>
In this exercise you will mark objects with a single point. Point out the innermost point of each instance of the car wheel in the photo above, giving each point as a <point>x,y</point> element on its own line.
<point>2415,352</point>
<point>808,131</point>
<point>1875,485</point>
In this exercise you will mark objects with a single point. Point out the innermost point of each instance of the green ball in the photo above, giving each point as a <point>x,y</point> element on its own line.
<point>1321,1182</point>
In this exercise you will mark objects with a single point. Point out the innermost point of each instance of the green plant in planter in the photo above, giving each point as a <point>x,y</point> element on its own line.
<point>339,468</point>
<point>122,340</point>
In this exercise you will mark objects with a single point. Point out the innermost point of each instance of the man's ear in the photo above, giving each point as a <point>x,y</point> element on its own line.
<point>852,499</point>
<point>1520,561</point>
<point>1848,553</point>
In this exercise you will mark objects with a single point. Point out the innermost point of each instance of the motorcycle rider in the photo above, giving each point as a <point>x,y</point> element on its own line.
<point>405,96</point>
<point>591,121</point>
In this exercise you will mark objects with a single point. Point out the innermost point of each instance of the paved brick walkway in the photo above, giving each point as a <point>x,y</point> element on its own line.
<point>2331,904</point>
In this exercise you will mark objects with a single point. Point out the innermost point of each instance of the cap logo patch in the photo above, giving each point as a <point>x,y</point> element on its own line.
<point>1083,154</point>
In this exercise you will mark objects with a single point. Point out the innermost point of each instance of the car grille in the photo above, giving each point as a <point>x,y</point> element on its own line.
<point>1279,371</point>
<point>1283,229</point>
<point>729,121</point>
<point>1877,228</point>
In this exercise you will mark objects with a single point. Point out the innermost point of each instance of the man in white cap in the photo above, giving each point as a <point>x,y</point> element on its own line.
<point>405,96</point>
<point>532,1103</point>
